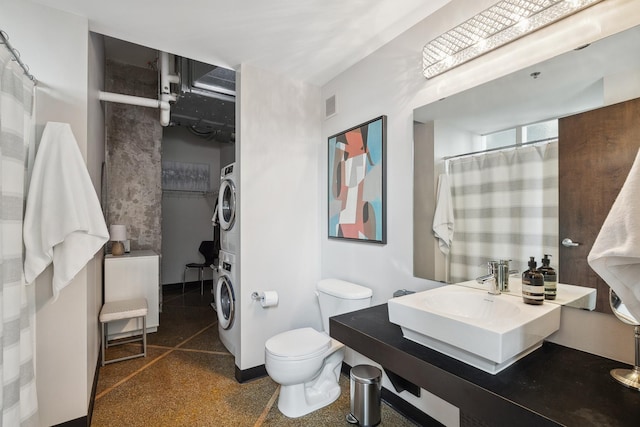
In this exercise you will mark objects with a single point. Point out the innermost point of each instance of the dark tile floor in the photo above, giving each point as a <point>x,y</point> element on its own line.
<point>187,379</point>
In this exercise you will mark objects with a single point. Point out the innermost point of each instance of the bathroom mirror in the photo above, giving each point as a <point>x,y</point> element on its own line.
<point>620,310</point>
<point>603,73</point>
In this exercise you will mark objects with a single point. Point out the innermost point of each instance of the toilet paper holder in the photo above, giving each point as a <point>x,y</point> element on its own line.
<point>266,298</point>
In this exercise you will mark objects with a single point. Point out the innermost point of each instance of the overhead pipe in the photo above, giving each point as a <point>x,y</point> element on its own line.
<point>165,93</point>
<point>165,77</point>
<point>165,86</point>
<point>133,100</point>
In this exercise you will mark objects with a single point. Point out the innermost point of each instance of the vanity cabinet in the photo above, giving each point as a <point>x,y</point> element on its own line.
<point>133,275</point>
<point>553,386</point>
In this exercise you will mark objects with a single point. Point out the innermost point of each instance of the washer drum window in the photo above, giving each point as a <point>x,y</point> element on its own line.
<point>227,204</point>
<point>225,302</point>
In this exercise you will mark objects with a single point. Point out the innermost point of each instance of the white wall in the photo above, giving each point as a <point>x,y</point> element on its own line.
<point>186,217</point>
<point>390,82</point>
<point>95,160</point>
<point>55,45</point>
<point>278,206</point>
<point>458,141</point>
<point>227,155</point>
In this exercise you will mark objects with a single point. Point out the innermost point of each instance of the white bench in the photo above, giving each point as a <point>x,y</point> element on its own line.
<point>124,309</point>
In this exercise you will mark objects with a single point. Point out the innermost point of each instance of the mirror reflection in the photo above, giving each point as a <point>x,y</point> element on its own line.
<point>486,160</point>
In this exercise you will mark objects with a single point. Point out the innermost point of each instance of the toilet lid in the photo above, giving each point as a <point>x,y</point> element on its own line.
<point>297,343</point>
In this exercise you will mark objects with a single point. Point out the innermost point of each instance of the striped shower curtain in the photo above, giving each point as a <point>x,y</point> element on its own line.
<point>17,303</point>
<point>505,207</point>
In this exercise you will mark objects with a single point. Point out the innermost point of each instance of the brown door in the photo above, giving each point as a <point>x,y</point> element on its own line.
<point>596,151</point>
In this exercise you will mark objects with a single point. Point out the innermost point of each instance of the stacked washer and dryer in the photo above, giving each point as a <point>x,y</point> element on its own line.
<point>227,287</point>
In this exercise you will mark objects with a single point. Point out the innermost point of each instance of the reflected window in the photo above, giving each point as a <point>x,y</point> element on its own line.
<point>500,139</point>
<point>542,131</point>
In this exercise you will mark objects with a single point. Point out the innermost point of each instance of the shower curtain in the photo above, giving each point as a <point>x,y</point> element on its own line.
<point>505,207</point>
<point>17,303</point>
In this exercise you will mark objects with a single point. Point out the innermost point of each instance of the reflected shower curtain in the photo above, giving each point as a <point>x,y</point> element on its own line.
<point>505,207</point>
<point>17,303</point>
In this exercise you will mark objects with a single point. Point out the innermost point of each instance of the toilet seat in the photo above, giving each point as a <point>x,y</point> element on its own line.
<point>298,344</point>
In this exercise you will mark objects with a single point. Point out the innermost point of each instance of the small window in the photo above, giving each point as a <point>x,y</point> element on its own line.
<point>540,131</point>
<point>500,139</point>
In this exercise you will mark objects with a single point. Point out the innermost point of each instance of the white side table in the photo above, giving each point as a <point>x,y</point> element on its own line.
<point>129,276</point>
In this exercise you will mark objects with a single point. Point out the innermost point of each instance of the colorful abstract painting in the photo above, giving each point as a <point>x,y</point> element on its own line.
<point>357,182</point>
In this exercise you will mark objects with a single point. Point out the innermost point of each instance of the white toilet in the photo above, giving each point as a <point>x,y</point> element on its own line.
<point>305,362</point>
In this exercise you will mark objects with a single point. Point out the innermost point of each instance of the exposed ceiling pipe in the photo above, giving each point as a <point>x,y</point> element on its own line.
<point>133,100</point>
<point>165,87</point>
<point>166,96</point>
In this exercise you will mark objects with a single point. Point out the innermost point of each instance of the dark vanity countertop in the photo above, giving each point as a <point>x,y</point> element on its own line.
<point>554,385</point>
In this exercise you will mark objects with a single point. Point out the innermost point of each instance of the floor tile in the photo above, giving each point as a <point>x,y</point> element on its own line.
<point>187,379</point>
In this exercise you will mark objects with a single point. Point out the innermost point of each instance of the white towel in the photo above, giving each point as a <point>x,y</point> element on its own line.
<point>63,220</point>
<point>214,219</point>
<point>615,255</point>
<point>443,215</point>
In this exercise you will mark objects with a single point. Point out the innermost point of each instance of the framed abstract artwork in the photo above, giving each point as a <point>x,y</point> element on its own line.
<point>357,188</point>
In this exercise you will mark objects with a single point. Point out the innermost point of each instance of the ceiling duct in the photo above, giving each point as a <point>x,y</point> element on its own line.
<point>206,100</point>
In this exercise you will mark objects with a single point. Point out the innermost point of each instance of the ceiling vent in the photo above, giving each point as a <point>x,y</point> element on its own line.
<point>330,107</point>
<point>206,100</point>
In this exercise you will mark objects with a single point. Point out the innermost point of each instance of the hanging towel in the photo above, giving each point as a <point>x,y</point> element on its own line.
<point>443,215</point>
<point>615,255</point>
<point>215,221</point>
<point>63,220</point>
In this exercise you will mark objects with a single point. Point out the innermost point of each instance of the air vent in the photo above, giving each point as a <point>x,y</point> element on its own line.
<point>206,101</point>
<point>330,107</point>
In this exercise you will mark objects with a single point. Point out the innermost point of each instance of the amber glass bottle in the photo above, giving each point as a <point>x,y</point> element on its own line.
<point>532,284</point>
<point>550,279</point>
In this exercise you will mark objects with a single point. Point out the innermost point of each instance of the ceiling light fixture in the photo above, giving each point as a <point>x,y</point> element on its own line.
<point>502,23</point>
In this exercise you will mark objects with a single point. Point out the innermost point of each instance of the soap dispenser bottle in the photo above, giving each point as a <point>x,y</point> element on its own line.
<point>532,284</point>
<point>550,278</point>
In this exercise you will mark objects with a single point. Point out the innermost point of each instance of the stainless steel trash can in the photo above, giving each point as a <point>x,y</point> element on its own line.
<point>365,395</point>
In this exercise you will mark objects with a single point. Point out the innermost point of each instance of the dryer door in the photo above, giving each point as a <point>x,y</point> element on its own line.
<point>225,302</point>
<point>227,204</point>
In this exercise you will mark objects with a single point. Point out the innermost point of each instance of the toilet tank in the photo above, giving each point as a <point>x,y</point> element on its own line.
<point>338,297</point>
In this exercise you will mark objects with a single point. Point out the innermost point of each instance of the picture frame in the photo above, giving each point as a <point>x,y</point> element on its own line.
<point>182,176</point>
<point>357,183</point>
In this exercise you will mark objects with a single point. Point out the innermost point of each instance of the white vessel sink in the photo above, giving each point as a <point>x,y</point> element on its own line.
<point>487,331</point>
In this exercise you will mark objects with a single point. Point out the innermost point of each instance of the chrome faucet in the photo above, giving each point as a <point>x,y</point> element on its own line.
<point>494,286</point>
<point>500,271</point>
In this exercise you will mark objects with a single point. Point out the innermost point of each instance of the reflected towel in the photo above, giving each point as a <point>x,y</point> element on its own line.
<point>63,220</point>
<point>443,215</point>
<point>615,255</point>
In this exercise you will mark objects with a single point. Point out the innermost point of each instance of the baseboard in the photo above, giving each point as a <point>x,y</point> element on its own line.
<point>78,422</point>
<point>189,283</point>
<point>254,373</point>
<point>400,405</point>
<point>94,387</point>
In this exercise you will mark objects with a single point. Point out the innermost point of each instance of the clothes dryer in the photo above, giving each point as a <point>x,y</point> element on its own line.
<point>229,236</point>
<point>228,302</point>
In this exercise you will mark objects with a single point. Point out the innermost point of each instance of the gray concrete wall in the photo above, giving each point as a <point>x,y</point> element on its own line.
<point>133,157</point>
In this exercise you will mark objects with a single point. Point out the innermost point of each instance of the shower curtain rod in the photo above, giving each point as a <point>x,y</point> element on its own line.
<point>506,147</point>
<point>16,56</point>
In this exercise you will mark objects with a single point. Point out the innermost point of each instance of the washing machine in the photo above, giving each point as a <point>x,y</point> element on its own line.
<point>229,236</point>
<point>228,302</point>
